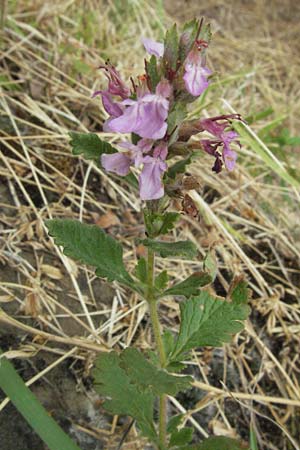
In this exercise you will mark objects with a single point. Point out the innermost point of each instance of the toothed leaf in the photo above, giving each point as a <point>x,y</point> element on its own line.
<point>125,397</point>
<point>190,286</point>
<point>148,377</point>
<point>181,437</point>
<point>185,249</point>
<point>207,321</point>
<point>90,245</point>
<point>90,146</point>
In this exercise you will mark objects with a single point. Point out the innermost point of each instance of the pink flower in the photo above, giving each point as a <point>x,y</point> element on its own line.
<point>118,163</point>
<point>146,116</point>
<point>217,126</point>
<point>116,85</point>
<point>121,162</point>
<point>153,167</point>
<point>195,77</point>
<point>153,47</point>
<point>150,179</point>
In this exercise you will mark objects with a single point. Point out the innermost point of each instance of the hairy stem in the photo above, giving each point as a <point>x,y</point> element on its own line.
<point>159,344</point>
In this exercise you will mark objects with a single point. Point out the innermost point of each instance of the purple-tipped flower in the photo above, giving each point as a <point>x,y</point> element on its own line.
<point>116,85</point>
<point>146,116</point>
<point>195,77</point>
<point>217,126</point>
<point>153,47</point>
<point>150,179</point>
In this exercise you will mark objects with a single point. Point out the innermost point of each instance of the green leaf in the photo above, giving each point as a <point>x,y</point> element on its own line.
<point>168,222</point>
<point>180,166</point>
<point>152,72</point>
<point>141,270</point>
<point>239,291</point>
<point>175,119</point>
<point>158,224</point>
<point>188,38</point>
<point>90,146</point>
<point>185,249</point>
<point>207,321</point>
<point>161,280</point>
<point>174,423</point>
<point>125,397</point>
<point>190,286</point>
<point>148,377</point>
<point>170,56</point>
<point>205,33</point>
<point>90,245</point>
<point>218,443</point>
<point>210,265</point>
<point>181,437</point>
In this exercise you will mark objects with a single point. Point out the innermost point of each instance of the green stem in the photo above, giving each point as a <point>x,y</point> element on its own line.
<point>160,347</point>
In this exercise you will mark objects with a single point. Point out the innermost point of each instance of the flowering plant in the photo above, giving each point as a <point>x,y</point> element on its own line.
<point>154,112</point>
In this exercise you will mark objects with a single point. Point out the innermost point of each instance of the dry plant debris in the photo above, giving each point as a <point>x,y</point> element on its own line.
<point>50,52</point>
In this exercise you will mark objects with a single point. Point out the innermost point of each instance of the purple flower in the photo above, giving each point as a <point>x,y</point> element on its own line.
<point>118,163</point>
<point>146,116</point>
<point>121,162</point>
<point>150,179</point>
<point>116,85</point>
<point>195,77</point>
<point>223,139</point>
<point>153,47</point>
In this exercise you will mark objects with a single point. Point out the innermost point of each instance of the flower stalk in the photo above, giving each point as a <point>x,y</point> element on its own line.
<point>152,302</point>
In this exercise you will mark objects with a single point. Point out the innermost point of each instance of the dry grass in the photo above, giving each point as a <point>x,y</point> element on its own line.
<point>50,53</point>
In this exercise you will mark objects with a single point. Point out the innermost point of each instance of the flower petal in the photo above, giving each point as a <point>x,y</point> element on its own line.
<point>229,157</point>
<point>195,78</point>
<point>153,47</point>
<point>118,163</point>
<point>150,179</point>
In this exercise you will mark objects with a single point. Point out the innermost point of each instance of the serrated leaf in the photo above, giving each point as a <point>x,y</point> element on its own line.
<point>90,146</point>
<point>161,280</point>
<point>158,224</point>
<point>181,437</point>
<point>185,249</point>
<point>239,291</point>
<point>148,377</point>
<point>174,423</point>
<point>205,33</point>
<point>218,443</point>
<point>125,398</point>
<point>207,321</point>
<point>141,270</point>
<point>190,286</point>
<point>180,166</point>
<point>175,119</point>
<point>90,245</point>
<point>168,341</point>
<point>188,38</point>
<point>152,72</point>
<point>171,45</point>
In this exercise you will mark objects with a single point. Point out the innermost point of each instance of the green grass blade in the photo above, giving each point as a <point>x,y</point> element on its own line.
<point>31,409</point>
<point>253,141</point>
<point>253,440</point>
